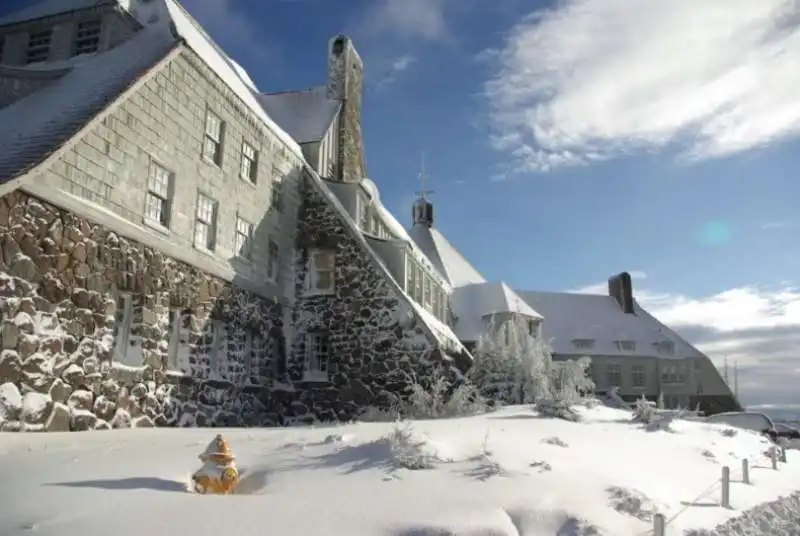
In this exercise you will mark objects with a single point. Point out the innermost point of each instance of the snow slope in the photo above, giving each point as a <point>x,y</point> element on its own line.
<point>504,474</point>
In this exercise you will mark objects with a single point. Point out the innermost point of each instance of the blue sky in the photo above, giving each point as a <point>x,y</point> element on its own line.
<point>568,141</point>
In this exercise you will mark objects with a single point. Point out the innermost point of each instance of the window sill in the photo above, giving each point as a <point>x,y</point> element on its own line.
<point>315,292</point>
<point>248,180</point>
<point>211,162</point>
<point>315,377</point>
<point>205,251</point>
<point>156,226</point>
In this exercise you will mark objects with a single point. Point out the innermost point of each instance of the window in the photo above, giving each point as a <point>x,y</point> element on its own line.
<point>178,349</point>
<point>638,376</point>
<point>533,328</point>
<point>625,346</point>
<point>217,329</point>
<point>410,270</point>
<point>418,278</point>
<point>159,195</point>
<point>122,329</point>
<point>276,198</point>
<point>212,140</point>
<point>673,373</point>
<point>318,353</point>
<point>39,46</point>
<point>87,37</point>
<point>583,344</point>
<point>244,238</point>
<point>427,298</point>
<point>614,375</point>
<point>205,223</point>
<point>665,347</point>
<point>273,261</point>
<point>249,165</point>
<point>321,269</point>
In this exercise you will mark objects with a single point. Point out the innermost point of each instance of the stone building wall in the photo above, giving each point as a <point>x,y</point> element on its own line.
<point>378,348</point>
<point>62,279</point>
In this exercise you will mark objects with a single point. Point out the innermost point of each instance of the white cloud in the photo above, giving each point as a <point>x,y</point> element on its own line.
<point>774,225</point>
<point>423,19</point>
<point>755,326</point>
<point>397,66</point>
<point>592,79</point>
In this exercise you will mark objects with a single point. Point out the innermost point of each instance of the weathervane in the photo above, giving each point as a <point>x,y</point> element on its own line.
<point>423,178</point>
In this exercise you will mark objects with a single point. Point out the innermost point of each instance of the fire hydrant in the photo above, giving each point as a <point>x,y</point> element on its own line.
<point>218,473</point>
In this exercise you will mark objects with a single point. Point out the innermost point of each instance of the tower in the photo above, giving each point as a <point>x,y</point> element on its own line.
<point>422,211</point>
<point>345,84</point>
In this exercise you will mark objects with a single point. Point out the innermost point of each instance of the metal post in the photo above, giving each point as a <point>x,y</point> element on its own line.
<point>659,523</point>
<point>726,487</point>
<point>745,471</point>
<point>773,454</point>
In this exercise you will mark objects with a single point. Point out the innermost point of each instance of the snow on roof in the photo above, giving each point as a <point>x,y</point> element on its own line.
<point>471,303</point>
<point>197,39</point>
<point>446,258</point>
<point>50,116</point>
<point>599,318</point>
<point>306,115</point>
<point>48,8</point>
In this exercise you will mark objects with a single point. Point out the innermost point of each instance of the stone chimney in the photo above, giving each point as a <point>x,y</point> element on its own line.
<point>620,287</point>
<point>345,84</point>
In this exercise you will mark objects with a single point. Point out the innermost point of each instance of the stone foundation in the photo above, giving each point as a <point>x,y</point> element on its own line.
<point>63,282</point>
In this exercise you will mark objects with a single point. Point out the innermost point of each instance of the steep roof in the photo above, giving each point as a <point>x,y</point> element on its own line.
<point>445,257</point>
<point>50,116</point>
<point>599,318</point>
<point>471,303</point>
<point>48,8</point>
<point>306,115</point>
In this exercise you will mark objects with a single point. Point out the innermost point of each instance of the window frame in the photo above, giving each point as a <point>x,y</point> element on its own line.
<point>317,352</point>
<point>213,139</point>
<point>614,369</point>
<point>638,372</point>
<point>273,260</point>
<point>210,226</point>
<point>250,172</point>
<point>314,271</point>
<point>89,42</point>
<point>276,195</point>
<point>156,198</point>
<point>243,238</point>
<point>39,43</point>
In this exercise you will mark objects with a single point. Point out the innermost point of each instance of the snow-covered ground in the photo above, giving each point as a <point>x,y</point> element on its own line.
<point>506,473</point>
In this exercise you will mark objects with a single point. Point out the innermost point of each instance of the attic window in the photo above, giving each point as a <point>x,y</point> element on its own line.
<point>625,346</point>
<point>87,37</point>
<point>321,271</point>
<point>665,347</point>
<point>583,344</point>
<point>39,46</point>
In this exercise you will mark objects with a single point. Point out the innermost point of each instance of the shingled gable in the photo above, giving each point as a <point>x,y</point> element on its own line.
<point>306,114</point>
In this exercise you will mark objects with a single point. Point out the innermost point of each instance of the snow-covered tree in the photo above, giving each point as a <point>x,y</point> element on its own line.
<point>512,365</point>
<point>660,401</point>
<point>573,380</point>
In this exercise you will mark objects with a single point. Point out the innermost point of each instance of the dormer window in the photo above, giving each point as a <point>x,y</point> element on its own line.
<point>87,37</point>
<point>665,347</point>
<point>583,344</point>
<point>625,345</point>
<point>39,46</point>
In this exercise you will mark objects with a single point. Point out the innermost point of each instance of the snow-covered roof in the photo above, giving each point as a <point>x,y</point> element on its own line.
<point>599,318</point>
<point>472,303</point>
<point>48,8</point>
<point>50,116</point>
<point>456,269</point>
<point>306,115</point>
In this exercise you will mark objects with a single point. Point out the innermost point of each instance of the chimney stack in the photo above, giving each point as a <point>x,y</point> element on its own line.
<point>620,287</point>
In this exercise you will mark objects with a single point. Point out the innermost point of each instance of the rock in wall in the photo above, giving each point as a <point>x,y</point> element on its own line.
<point>378,348</point>
<point>62,367</point>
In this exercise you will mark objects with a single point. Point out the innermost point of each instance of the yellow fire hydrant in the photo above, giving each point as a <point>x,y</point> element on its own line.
<point>218,473</point>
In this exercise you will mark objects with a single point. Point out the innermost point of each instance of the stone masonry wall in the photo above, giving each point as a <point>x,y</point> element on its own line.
<point>62,278</point>
<point>378,347</point>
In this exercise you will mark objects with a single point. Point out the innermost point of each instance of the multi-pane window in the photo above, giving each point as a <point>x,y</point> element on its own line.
<point>273,261</point>
<point>212,139</point>
<point>321,270</point>
<point>665,347</point>
<point>244,238</point>
<point>638,376</point>
<point>276,198</point>
<point>625,345</point>
<point>428,297</point>
<point>318,352</point>
<point>614,375</point>
<point>159,195</point>
<point>39,46</point>
<point>249,165</point>
<point>674,373</point>
<point>87,37</point>
<point>583,344</point>
<point>205,223</point>
<point>410,272</point>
